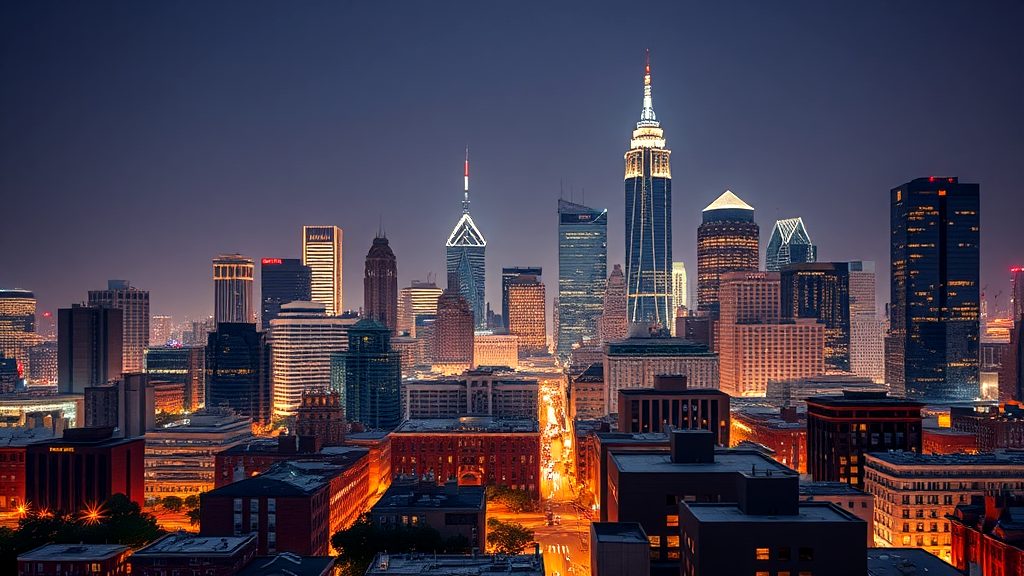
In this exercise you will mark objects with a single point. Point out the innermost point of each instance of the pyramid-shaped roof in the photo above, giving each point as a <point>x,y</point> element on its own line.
<point>466,233</point>
<point>728,201</point>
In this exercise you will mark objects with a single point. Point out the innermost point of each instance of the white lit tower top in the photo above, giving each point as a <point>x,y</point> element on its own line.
<point>464,255</point>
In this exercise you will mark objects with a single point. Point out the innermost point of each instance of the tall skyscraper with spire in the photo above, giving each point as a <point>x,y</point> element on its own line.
<point>648,184</point>
<point>464,253</point>
<point>380,283</point>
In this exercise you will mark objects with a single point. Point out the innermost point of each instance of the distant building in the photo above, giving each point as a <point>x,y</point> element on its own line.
<point>464,258</point>
<point>128,404</point>
<point>134,306</point>
<point>368,375</point>
<point>867,336</point>
<point>992,427</point>
<point>678,289</point>
<point>161,329</point>
<point>671,405</point>
<point>380,284</point>
<point>486,392</point>
<point>614,324</point>
<point>17,324</point>
<point>454,511</point>
<point>452,347</point>
<point>527,319</point>
<point>42,364</point>
<point>634,363</point>
<point>588,393</point>
<point>496,350</point>
<point>727,241</point>
<point>841,430</point>
<point>62,559</point>
<point>509,274</point>
<point>582,269</point>
<point>416,301</point>
<point>932,347</point>
<point>186,553</point>
<point>783,432</point>
<point>473,451</point>
<point>821,291</point>
<point>282,280</point>
<point>794,391</point>
<point>789,244</point>
<point>185,365</point>
<point>232,287</point>
<point>89,347</point>
<point>302,340</point>
<point>83,469</point>
<point>322,415</point>
<point>322,252</point>
<point>238,371</point>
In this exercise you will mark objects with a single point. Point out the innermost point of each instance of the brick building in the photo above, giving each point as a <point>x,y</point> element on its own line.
<point>587,393</point>
<point>475,451</point>
<point>783,432</point>
<point>451,509</point>
<point>67,559</point>
<point>186,553</point>
<point>13,444</point>
<point>988,535</point>
<point>994,427</point>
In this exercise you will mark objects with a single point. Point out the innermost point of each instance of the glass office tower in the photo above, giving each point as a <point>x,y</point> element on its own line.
<point>582,269</point>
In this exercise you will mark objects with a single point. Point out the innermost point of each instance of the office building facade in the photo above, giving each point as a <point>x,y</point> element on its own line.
<point>636,362</point>
<point>582,269</point>
<point>452,340</point>
<point>134,306</point>
<point>679,288</point>
<point>867,338</point>
<point>527,319</point>
<point>17,324</point>
<point>185,365</point>
<point>282,280</point>
<point>614,322</point>
<point>302,340</point>
<point>88,347</point>
<point>238,371</point>
<point>465,252</point>
<point>821,291</point>
<point>380,284</point>
<point>322,252</point>
<point>508,275</point>
<point>789,244</point>
<point>419,300</point>
<point>727,241</point>
<point>232,287</point>
<point>368,375</point>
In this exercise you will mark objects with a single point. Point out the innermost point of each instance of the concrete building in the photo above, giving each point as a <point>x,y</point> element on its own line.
<point>619,549</point>
<point>845,496</point>
<point>232,289</point>
<point>134,306</point>
<point>302,340</point>
<point>128,404</point>
<point>453,510</point>
<point>89,347</point>
<point>484,392</point>
<point>670,404</point>
<point>592,460</point>
<point>795,391</point>
<point>496,350</point>
<point>587,394</point>
<point>380,283</point>
<point>527,319</point>
<point>416,301</point>
<point>916,493</point>
<point>185,553</point>
<point>841,430</point>
<point>727,241</point>
<point>635,361</point>
<point>180,364</point>
<point>322,252</point>
<point>452,349</point>
<point>867,336</point>
<point>64,559</point>
<point>613,324</point>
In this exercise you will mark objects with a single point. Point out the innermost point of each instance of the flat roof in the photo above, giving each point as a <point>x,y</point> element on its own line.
<point>407,495</point>
<point>369,435</point>
<point>188,544</point>
<point>457,565</point>
<point>290,478</point>
<point>867,398</point>
<point>619,532</point>
<point>903,561</point>
<point>72,552</point>
<point>20,436</point>
<point>830,489</point>
<point>660,392</point>
<point>807,512</point>
<point>469,424</point>
<point>658,346</point>
<point>727,460</point>
<point>1001,458</point>
<point>290,564</point>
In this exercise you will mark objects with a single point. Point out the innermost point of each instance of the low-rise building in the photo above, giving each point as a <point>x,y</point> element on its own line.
<point>939,439</point>
<point>496,350</point>
<point>65,559</point>
<point>592,459</point>
<point>794,391</point>
<point>13,443</point>
<point>619,549</point>
<point>448,564</point>
<point>587,393</point>
<point>496,392</point>
<point>475,451</point>
<point>453,510</point>
<point>378,442</point>
<point>916,493</point>
<point>288,564</point>
<point>181,456</point>
<point>849,498</point>
<point>635,361</point>
<point>187,553</point>
<point>994,426</point>
<point>988,535</point>
<point>671,404</point>
<point>784,432</point>
<point>906,561</point>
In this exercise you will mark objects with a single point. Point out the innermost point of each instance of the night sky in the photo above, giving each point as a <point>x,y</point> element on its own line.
<point>140,139</point>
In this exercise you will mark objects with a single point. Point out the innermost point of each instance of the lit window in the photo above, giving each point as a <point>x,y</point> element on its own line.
<point>761,554</point>
<point>672,520</point>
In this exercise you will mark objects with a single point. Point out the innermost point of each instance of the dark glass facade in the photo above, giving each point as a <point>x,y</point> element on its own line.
<point>282,280</point>
<point>790,244</point>
<point>181,365</point>
<point>369,376</point>
<point>932,351</point>
<point>507,276</point>
<point>727,241</point>
<point>238,370</point>
<point>582,269</point>
<point>649,241</point>
<point>88,347</point>
<point>821,291</point>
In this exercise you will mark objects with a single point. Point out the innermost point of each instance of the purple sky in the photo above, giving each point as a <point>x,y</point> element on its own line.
<point>140,139</point>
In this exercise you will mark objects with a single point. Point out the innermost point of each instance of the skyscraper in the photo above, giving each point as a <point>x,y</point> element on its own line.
<point>134,305</point>
<point>184,365</point>
<point>464,257</point>
<point>17,324</point>
<point>322,251</point>
<point>727,241</point>
<point>821,290</point>
<point>452,344</point>
<point>678,287</point>
<point>89,347</point>
<point>507,276</point>
<point>232,286</point>
<point>648,184</point>
<point>932,347</point>
<point>302,339</point>
<point>368,375</point>
<point>416,301</point>
<point>527,319</point>
<point>582,269</point>
<point>789,244</point>
<point>867,348</point>
<point>238,371</point>
<point>282,280</point>
<point>380,284</point>
<point>614,324</point>
<point>1016,293</point>
<point>161,327</point>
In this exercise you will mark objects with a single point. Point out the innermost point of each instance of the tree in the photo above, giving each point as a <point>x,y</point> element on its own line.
<point>173,503</point>
<point>358,544</point>
<point>192,501</point>
<point>193,516</point>
<point>508,537</point>
<point>517,501</point>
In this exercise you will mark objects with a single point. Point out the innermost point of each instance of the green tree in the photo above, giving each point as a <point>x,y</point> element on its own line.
<point>192,501</point>
<point>193,516</point>
<point>508,537</point>
<point>172,503</point>
<point>358,544</point>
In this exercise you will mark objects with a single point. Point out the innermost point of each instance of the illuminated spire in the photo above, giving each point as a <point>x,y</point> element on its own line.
<point>465,184</point>
<point>647,117</point>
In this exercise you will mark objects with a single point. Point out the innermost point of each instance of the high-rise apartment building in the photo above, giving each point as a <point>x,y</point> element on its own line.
<point>821,290</point>
<point>932,347</point>
<point>161,329</point>
<point>369,375</point>
<point>755,344</point>
<point>17,324</point>
<point>88,347</point>
<point>452,346</point>
<point>302,340</point>
<point>380,284</point>
<point>582,268</point>
<point>238,371</point>
<point>282,280</point>
<point>648,210</point>
<point>507,276</point>
<point>867,340</point>
<point>321,251</point>
<point>42,363</point>
<point>727,241</point>
<point>185,365</point>
<point>232,287</point>
<point>678,286</point>
<point>790,244</point>
<point>416,301</point>
<point>465,257</point>
<point>614,323</point>
<point>134,306</point>
<point>526,315</point>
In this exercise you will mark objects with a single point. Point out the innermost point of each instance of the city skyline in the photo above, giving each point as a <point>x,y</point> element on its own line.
<point>720,138</point>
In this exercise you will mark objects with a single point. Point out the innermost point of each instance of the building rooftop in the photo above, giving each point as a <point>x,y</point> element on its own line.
<point>288,564</point>
<point>456,565</point>
<point>469,424</point>
<point>657,346</point>
<point>189,544</point>
<point>207,420</point>
<point>728,201</point>
<point>20,436</point>
<point>633,437</point>
<point>726,461</point>
<point>999,458</point>
<point>369,435</point>
<point>829,489</point>
<point>72,552</point>
<point>906,562</point>
<point>850,398</point>
<point>407,495</point>
<point>661,392</point>
<point>593,373</point>
<point>619,532</point>
<point>292,478</point>
<point>808,512</point>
